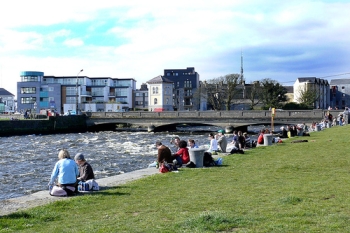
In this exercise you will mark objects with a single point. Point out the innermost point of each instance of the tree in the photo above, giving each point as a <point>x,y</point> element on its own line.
<point>308,95</point>
<point>254,94</point>
<point>222,90</point>
<point>273,94</point>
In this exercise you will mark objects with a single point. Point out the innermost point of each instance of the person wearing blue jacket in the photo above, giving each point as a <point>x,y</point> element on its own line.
<point>65,171</point>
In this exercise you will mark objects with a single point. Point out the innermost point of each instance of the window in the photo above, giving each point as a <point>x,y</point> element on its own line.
<point>51,99</point>
<point>188,84</point>
<point>155,101</point>
<point>28,100</point>
<point>167,74</point>
<point>28,90</point>
<point>156,90</point>
<point>51,89</point>
<point>71,90</point>
<point>167,100</point>
<point>153,90</point>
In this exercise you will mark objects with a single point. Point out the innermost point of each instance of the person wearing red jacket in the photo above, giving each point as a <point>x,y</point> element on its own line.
<point>182,156</point>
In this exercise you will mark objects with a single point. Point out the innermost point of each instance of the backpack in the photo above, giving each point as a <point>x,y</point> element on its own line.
<point>208,160</point>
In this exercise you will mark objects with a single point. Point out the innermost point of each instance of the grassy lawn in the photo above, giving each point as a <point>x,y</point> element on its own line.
<point>289,187</point>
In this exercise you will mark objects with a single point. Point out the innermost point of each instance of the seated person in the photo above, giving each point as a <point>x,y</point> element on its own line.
<point>261,138</point>
<point>85,169</point>
<point>66,172</point>
<point>213,143</point>
<point>192,143</point>
<point>182,156</point>
<point>164,153</point>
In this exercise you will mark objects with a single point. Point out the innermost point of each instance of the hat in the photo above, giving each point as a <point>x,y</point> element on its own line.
<point>221,131</point>
<point>79,156</point>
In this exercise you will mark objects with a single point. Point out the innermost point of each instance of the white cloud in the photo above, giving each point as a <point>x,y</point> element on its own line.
<point>150,36</point>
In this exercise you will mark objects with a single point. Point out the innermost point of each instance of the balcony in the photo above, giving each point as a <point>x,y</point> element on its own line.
<point>86,93</point>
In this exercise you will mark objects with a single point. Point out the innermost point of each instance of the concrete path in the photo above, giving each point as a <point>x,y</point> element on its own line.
<point>43,197</point>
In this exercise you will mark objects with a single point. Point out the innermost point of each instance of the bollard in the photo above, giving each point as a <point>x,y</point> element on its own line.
<point>268,139</point>
<point>196,156</point>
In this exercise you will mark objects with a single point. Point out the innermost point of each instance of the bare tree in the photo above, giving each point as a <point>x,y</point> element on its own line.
<point>254,94</point>
<point>221,91</point>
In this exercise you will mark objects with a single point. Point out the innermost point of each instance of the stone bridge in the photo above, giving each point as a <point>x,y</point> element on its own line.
<point>167,121</point>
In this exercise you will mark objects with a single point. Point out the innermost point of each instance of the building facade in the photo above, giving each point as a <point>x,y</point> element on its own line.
<point>7,101</point>
<point>141,98</point>
<point>160,94</point>
<point>340,93</point>
<point>320,86</point>
<point>72,93</point>
<point>185,87</point>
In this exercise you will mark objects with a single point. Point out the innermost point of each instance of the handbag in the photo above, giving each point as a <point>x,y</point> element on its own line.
<point>164,168</point>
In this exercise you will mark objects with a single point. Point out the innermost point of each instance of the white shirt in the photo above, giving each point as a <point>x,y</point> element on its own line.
<point>213,145</point>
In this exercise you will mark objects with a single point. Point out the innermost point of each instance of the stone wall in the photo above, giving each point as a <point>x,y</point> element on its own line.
<point>60,124</point>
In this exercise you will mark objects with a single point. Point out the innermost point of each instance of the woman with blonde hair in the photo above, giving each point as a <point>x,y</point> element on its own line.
<point>66,172</point>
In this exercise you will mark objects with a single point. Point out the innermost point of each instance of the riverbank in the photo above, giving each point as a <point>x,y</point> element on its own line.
<point>41,198</point>
<point>287,187</point>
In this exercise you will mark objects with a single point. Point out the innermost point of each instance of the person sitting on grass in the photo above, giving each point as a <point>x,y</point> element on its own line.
<point>182,156</point>
<point>85,169</point>
<point>192,143</point>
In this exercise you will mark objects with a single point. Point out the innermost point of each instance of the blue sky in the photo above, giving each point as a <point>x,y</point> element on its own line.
<point>280,40</point>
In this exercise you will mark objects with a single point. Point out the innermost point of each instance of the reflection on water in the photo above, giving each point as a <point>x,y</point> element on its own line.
<point>26,162</point>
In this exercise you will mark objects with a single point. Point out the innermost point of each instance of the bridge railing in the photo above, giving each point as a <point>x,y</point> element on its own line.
<point>214,114</point>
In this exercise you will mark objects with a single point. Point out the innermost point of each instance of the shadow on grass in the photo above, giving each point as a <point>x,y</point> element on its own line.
<point>106,191</point>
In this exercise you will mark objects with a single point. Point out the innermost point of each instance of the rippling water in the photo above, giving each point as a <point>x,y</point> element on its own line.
<point>26,162</point>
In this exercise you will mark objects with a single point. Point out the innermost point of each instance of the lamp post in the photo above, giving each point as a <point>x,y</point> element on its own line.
<point>76,94</point>
<point>31,102</point>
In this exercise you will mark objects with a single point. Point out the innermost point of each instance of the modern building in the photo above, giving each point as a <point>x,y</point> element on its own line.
<point>160,94</point>
<point>141,98</point>
<point>185,87</point>
<point>319,86</point>
<point>7,101</point>
<point>71,93</point>
<point>340,93</point>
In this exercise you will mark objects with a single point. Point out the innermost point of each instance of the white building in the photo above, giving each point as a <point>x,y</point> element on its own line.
<point>7,99</point>
<point>320,86</point>
<point>160,97</point>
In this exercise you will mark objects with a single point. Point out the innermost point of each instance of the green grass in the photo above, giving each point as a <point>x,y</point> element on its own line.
<point>290,187</point>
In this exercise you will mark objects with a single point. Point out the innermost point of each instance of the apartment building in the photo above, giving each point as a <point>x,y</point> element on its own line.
<point>63,93</point>
<point>320,86</point>
<point>185,85</point>
<point>141,98</point>
<point>340,93</point>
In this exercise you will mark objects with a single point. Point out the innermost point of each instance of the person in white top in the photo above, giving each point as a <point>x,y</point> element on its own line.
<point>213,143</point>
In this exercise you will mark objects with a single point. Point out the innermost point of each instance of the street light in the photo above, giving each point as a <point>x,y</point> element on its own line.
<point>76,94</point>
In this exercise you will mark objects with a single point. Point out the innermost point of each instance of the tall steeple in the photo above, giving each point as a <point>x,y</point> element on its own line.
<point>242,77</point>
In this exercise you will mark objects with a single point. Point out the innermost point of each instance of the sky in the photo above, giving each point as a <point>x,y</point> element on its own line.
<point>279,40</point>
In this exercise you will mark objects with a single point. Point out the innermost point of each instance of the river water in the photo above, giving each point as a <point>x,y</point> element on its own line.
<point>26,162</point>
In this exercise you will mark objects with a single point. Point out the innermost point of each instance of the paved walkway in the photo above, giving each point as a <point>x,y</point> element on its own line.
<point>43,197</point>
